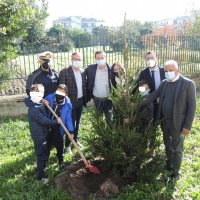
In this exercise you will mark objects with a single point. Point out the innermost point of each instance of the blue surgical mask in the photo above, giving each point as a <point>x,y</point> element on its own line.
<point>77,64</point>
<point>100,62</point>
<point>170,75</point>
<point>144,93</point>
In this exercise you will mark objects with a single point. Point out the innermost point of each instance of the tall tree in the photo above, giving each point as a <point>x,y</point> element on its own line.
<point>80,38</point>
<point>57,31</point>
<point>192,26</point>
<point>17,16</point>
<point>37,28</point>
<point>147,28</point>
<point>134,29</point>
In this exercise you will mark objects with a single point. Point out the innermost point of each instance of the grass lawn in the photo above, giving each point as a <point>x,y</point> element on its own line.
<point>18,162</point>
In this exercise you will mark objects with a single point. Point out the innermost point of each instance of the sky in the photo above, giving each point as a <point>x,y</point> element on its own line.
<point>113,11</point>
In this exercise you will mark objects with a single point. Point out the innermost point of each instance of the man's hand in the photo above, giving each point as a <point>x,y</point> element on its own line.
<point>45,102</point>
<point>66,67</point>
<point>126,121</point>
<point>71,136</point>
<point>59,120</point>
<point>185,131</point>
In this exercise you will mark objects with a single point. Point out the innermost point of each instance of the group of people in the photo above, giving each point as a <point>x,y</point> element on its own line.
<point>173,100</point>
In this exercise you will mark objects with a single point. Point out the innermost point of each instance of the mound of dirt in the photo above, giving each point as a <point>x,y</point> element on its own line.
<point>82,184</point>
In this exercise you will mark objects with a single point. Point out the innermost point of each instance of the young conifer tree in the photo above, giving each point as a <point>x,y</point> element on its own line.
<point>125,147</point>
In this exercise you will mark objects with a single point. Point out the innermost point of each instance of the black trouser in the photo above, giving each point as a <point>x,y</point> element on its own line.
<point>104,106</point>
<point>174,145</point>
<point>155,107</point>
<point>54,138</point>
<point>155,110</point>
<point>41,151</point>
<point>76,116</point>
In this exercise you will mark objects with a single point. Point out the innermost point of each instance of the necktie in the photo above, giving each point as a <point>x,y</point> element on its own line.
<point>153,80</point>
<point>154,86</point>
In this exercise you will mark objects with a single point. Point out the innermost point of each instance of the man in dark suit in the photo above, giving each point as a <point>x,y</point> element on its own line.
<point>74,78</point>
<point>98,84</point>
<point>153,74</point>
<point>176,109</point>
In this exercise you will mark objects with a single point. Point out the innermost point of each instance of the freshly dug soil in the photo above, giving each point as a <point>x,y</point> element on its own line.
<point>80,183</point>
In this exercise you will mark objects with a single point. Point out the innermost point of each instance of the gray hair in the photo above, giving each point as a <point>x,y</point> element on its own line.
<point>171,62</point>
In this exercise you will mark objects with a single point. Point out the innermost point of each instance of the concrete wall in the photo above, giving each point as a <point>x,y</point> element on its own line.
<point>13,105</point>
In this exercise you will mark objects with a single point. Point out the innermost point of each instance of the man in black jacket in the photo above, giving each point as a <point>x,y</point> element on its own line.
<point>98,84</point>
<point>44,75</point>
<point>176,110</point>
<point>153,74</point>
<point>39,127</point>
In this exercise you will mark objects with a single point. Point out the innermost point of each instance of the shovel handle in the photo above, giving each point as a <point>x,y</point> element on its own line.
<point>67,132</point>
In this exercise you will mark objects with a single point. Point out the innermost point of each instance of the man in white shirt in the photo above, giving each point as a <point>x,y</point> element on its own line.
<point>98,84</point>
<point>74,78</point>
<point>153,74</point>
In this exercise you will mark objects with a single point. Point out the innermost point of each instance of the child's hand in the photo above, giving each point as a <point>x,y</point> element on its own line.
<point>45,102</point>
<point>71,136</point>
<point>59,120</point>
<point>126,121</point>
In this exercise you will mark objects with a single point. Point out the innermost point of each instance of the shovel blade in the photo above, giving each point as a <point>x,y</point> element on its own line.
<point>93,169</point>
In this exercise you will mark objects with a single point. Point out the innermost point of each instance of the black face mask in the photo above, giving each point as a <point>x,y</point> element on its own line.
<point>45,65</point>
<point>59,98</point>
<point>116,74</point>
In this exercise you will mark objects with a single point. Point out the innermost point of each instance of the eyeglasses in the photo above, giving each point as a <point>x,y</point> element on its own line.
<point>74,59</point>
<point>151,58</point>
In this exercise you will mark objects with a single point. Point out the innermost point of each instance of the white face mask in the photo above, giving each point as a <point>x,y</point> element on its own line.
<point>36,97</point>
<point>170,75</point>
<point>151,63</point>
<point>77,64</point>
<point>143,91</point>
<point>101,62</point>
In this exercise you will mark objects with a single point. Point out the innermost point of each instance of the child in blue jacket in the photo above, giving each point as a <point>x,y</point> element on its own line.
<point>62,106</point>
<point>39,126</point>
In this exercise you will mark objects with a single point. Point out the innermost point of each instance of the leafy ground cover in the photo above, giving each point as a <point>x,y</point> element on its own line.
<point>18,162</point>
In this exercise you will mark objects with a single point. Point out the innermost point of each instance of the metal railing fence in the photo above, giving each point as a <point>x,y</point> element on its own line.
<point>24,59</point>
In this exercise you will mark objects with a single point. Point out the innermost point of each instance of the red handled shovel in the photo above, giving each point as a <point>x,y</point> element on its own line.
<point>90,167</point>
